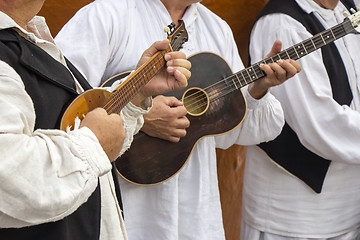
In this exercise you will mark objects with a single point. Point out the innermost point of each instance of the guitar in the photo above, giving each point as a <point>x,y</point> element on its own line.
<point>114,101</point>
<point>215,105</point>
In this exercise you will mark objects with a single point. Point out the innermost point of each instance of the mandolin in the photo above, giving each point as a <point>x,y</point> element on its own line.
<point>215,105</point>
<point>114,101</point>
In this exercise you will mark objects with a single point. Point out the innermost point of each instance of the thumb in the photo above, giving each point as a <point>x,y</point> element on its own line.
<point>276,48</point>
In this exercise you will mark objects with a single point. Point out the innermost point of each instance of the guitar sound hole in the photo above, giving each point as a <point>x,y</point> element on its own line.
<point>195,101</point>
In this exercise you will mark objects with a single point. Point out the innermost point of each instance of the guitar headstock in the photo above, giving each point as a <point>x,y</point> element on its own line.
<point>354,19</point>
<point>177,36</point>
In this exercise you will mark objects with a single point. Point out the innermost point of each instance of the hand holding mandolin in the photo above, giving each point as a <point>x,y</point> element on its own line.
<point>172,77</point>
<point>110,133</point>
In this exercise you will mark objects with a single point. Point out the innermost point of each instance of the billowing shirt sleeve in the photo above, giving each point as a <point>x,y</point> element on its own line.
<point>133,122</point>
<point>263,122</point>
<point>45,174</point>
<point>323,126</point>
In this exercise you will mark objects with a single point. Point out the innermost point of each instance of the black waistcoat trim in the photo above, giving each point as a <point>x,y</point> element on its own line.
<point>286,149</point>
<point>51,87</point>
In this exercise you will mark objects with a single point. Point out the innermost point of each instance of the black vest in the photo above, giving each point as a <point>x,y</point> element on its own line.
<point>286,149</point>
<point>51,87</point>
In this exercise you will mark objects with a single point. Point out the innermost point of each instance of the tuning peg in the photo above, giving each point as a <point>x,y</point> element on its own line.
<point>352,10</point>
<point>169,28</point>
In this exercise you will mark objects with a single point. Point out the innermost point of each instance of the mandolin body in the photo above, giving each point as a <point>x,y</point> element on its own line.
<point>84,103</point>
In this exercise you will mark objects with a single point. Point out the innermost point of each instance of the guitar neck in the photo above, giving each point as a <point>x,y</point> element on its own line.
<point>253,73</point>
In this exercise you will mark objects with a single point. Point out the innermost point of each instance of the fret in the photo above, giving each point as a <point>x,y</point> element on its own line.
<point>254,76</point>
<point>296,52</point>
<point>260,72</point>
<point>333,34</point>
<point>233,79</point>
<point>283,55</point>
<point>248,74</point>
<point>287,54</point>
<point>300,50</point>
<point>243,77</point>
<point>304,47</point>
<point>313,44</point>
<point>234,84</point>
<point>309,46</point>
<point>322,39</point>
<point>329,38</point>
<point>237,77</point>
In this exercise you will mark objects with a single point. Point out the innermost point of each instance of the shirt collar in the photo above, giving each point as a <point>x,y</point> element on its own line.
<point>326,14</point>
<point>191,14</point>
<point>38,30</point>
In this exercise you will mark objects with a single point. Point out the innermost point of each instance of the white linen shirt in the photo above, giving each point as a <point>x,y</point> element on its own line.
<point>46,174</point>
<point>188,205</point>
<point>273,200</point>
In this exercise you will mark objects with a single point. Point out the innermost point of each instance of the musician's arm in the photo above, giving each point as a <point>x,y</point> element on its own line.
<point>307,99</point>
<point>46,174</point>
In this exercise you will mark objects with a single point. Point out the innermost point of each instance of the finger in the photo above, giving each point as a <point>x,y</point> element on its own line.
<point>177,112</point>
<point>173,139</point>
<point>178,62</point>
<point>179,133</point>
<point>173,102</point>
<point>295,64</point>
<point>175,55</point>
<point>186,72</point>
<point>156,46</point>
<point>276,48</point>
<point>182,75</point>
<point>279,71</point>
<point>268,70</point>
<point>290,69</point>
<point>184,122</point>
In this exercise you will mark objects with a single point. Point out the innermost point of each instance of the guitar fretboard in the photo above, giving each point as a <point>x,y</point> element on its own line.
<point>253,73</point>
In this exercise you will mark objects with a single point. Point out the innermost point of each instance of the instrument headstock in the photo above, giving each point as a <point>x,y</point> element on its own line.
<point>177,36</point>
<point>354,19</point>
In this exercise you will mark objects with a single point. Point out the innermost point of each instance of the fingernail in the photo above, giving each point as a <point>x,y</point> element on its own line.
<point>280,61</point>
<point>170,69</point>
<point>167,57</point>
<point>169,63</point>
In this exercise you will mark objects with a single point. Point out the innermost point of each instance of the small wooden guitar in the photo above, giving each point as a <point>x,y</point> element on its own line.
<point>215,105</point>
<point>114,101</point>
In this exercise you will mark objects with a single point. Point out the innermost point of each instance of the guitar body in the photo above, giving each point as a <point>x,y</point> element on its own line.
<point>84,103</point>
<point>152,160</point>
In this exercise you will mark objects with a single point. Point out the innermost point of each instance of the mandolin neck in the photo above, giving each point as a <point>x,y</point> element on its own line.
<point>126,91</point>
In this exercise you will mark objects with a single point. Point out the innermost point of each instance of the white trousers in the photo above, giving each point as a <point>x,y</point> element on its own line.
<point>249,233</point>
